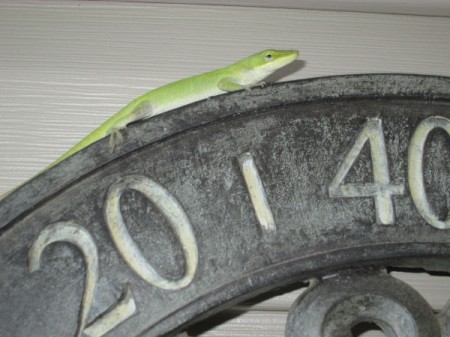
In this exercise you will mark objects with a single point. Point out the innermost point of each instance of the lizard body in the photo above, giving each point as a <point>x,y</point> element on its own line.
<point>244,74</point>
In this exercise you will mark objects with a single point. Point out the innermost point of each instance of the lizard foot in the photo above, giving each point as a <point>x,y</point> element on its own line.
<point>115,139</point>
<point>260,84</point>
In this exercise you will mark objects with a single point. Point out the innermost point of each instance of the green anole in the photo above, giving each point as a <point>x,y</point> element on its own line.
<point>244,74</point>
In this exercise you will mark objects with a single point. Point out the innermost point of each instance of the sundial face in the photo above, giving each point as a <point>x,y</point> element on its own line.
<point>226,198</point>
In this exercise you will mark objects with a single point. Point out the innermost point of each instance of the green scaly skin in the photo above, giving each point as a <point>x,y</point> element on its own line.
<point>244,74</point>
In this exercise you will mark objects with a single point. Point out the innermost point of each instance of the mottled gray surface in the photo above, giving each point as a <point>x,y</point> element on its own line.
<point>299,134</point>
<point>334,305</point>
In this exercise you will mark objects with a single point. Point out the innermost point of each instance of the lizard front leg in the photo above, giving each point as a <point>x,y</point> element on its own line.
<point>230,84</point>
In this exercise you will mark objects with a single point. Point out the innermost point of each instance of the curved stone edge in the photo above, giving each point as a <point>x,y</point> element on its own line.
<point>199,114</point>
<point>429,256</point>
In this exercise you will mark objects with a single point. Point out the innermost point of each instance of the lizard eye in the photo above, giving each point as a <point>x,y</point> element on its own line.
<point>268,57</point>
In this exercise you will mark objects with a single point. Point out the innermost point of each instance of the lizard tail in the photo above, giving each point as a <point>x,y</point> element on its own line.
<point>96,135</point>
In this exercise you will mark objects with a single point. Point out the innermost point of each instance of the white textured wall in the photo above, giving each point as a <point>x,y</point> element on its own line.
<point>66,66</point>
<point>417,7</point>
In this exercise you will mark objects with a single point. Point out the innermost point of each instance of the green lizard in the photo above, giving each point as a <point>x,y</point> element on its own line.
<point>244,74</point>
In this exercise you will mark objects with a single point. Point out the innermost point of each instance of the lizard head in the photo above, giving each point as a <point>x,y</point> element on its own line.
<point>271,60</point>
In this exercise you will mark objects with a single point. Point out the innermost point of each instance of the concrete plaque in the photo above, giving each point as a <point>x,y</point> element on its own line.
<point>227,198</point>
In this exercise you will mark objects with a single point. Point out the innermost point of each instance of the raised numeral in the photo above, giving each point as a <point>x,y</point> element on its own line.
<point>415,169</point>
<point>172,211</point>
<point>124,309</point>
<point>381,189</point>
<point>257,194</point>
<point>77,235</point>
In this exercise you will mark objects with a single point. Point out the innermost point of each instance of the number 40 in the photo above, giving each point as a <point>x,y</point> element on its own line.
<point>381,189</point>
